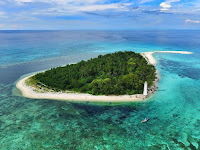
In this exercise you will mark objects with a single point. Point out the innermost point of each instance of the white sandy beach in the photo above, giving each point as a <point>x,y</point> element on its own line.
<point>29,92</point>
<point>149,55</point>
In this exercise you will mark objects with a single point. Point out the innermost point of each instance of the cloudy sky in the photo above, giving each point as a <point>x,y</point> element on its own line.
<point>99,14</point>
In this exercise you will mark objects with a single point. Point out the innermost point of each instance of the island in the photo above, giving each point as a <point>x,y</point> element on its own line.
<point>116,77</point>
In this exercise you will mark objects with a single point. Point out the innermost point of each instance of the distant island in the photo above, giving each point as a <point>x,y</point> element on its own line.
<point>116,77</point>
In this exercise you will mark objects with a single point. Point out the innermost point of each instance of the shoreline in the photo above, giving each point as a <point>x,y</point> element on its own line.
<point>29,92</point>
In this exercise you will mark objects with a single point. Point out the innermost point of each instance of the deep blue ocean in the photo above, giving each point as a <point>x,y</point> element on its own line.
<point>174,110</point>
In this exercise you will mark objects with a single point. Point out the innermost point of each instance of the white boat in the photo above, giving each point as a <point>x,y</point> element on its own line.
<point>145,120</point>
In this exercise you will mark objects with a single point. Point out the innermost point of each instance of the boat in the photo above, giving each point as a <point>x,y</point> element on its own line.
<point>145,120</point>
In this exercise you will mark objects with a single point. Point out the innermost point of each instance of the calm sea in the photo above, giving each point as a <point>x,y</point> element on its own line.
<point>174,110</point>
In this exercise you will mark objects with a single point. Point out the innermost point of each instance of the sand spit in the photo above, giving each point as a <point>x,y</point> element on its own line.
<point>149,55</point>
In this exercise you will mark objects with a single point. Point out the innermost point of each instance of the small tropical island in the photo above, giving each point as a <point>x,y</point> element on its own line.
<point>116,77</point>
<point>118,73</point>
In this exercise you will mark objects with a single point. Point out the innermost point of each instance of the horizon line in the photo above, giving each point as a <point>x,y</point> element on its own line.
<point>97,29</point>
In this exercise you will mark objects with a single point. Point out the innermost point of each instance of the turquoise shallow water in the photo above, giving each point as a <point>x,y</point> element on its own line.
<point>174,110</point>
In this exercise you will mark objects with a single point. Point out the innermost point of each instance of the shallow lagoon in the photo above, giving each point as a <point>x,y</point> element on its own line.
<point>45,124</point>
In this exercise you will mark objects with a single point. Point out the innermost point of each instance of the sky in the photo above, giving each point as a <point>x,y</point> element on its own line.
<point>99,14</point>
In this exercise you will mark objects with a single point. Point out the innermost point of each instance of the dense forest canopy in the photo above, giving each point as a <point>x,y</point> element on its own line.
<point>112,74</point>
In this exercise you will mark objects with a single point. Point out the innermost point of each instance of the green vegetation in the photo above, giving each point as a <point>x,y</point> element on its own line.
<point>118,74</point>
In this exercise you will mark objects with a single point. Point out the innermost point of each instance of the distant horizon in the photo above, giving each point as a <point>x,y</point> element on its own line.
<point>104,30</point>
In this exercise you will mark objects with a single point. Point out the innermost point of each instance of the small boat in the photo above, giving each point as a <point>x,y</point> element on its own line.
<point>145,120</point>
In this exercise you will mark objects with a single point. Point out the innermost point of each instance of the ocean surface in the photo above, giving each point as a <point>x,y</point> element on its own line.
<point>31,124</point>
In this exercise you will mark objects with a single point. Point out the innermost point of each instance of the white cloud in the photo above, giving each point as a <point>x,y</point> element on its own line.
<point>167,4</point>
<point>19,2</point>
<point>192,21</point>
<point>103,7</point>
<point>57,2</point>
<point>77,9</point>
<point>74,6</point>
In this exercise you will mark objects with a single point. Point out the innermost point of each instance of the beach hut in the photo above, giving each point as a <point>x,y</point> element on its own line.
<point>145,89</point>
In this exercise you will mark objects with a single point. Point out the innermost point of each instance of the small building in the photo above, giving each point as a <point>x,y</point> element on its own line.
<point>145,88</point>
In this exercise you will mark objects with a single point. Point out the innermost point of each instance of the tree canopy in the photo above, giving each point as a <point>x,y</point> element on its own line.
<point>118,73</point>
